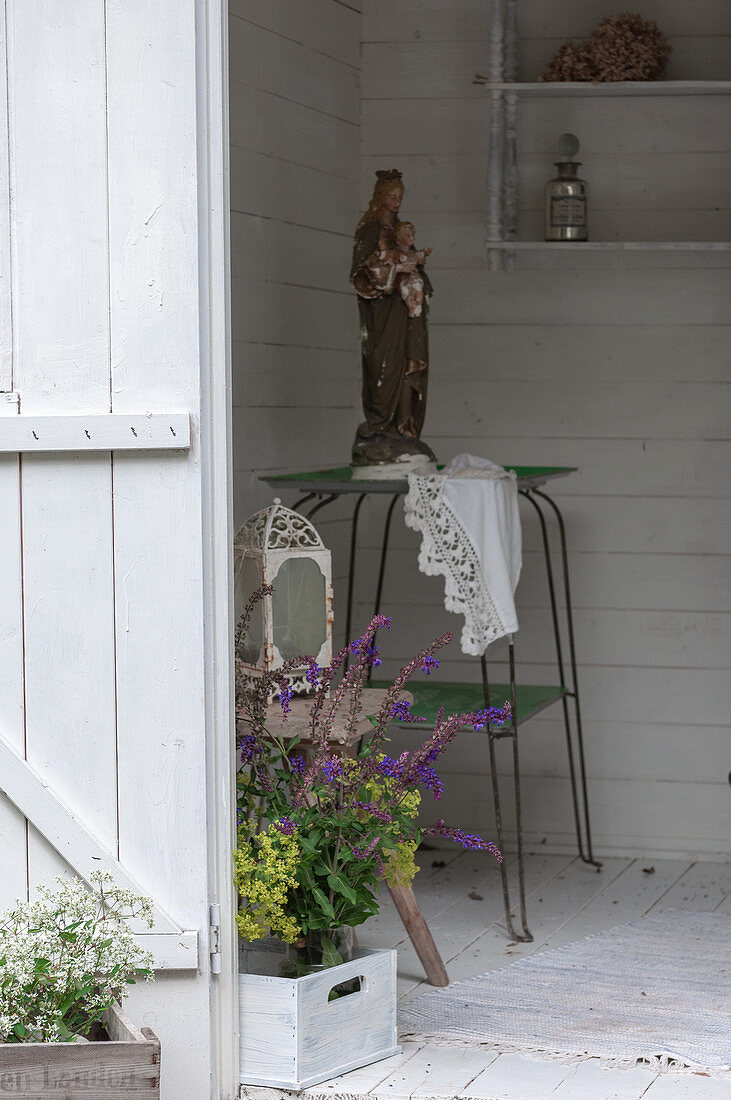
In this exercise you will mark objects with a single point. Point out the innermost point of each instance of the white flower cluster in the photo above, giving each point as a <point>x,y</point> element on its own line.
<point>66,956</point>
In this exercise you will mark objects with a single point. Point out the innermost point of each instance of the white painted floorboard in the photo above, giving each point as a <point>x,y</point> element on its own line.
<point>461,899</point>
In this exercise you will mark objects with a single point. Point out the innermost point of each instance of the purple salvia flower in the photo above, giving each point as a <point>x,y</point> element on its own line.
<point>321,720</point>
<point>264,779</point>
<point>365,853</point>
<point>319,726</point>
<point>396,690</point>
<point>375,811</point>
<point>297,764</point>
<point>313,674</point>
<point>445,731</point>
<point>352,684</point>
<point>402,712</point>
<point>408,773</point>
<point>470,841</point>
<point>285,826</point>
<point>301,794</point>
<point>492,716</point>
<point>428,663</point>
<point>392,768</point>
<point>431,781</point>
<point>286,692</point>
<point>366,650</point>
<point>387,767</point>
<point>249,748</point>
<point>332,768</point>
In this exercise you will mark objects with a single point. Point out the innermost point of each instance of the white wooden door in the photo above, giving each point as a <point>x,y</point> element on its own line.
<point>114,727</point>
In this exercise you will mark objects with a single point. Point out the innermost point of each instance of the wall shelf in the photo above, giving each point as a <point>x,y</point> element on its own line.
<point>611,246</point>
<point>502,166</point>
<point>539,89</point>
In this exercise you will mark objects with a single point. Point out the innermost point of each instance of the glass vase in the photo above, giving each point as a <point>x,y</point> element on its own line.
<point>319,950</point>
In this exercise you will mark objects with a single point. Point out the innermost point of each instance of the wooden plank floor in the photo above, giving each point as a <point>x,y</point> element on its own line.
<point>461,899</point>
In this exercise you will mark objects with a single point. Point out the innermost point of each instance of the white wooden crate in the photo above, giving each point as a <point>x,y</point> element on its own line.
<point>293,1037</point>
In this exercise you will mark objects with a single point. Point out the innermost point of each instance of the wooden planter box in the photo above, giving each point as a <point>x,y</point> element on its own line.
<point>126,1065</point>
<point>293,1037</point>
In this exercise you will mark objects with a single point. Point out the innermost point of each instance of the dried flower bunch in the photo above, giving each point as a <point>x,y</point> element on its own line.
<point>316,833</point>
<point>66,956</point>
<point>623,47</point>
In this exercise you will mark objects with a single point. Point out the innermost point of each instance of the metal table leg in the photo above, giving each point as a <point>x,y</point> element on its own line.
<point>321,504</point>
<point>351,566</point>
<point>382,564</point>
<point>581,814</point>
<point>303,500</point>
<point>526,936</point>
<point>574,677</point>
<point>384,552</point>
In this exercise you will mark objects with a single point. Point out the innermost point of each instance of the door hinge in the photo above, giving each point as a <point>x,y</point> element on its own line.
<point>214,937</point>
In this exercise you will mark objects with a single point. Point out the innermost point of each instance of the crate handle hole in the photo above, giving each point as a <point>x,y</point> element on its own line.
<point>347,988</point>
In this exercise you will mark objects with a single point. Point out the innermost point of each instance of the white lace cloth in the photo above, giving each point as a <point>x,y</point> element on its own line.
<point>468,518</point>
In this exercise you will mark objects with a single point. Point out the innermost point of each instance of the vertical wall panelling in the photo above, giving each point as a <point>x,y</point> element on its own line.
<point>617,364</point>
<point>12,823</point>
<point>294,121</point>
<point>58,149</point>
<point>157,521</point>
<point>12,726</point>
<point>6,348</point>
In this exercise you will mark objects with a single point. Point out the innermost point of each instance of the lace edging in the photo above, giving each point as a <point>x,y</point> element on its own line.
<point>447,550</point>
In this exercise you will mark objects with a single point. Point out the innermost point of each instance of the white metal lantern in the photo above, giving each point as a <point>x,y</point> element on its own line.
<point>280,547</point>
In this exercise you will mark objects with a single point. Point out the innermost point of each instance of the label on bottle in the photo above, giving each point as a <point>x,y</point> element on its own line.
<point>568,210</point>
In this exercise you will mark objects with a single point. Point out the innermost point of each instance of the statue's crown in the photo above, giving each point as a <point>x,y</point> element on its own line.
<point>388,174</point>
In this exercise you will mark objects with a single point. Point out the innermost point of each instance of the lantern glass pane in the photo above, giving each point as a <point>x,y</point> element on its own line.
<point>247,581</point>
<point>298,609</point>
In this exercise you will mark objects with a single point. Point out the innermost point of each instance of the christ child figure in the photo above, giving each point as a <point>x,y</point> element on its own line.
<point>405,259</point>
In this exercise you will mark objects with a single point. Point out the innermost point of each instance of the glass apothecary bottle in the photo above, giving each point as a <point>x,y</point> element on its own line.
<point>566,195</point>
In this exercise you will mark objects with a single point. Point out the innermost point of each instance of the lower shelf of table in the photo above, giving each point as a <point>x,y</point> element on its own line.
<point>429,696</point>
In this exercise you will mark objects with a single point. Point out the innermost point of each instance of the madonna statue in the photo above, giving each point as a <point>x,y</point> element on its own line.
<point>393,301</point>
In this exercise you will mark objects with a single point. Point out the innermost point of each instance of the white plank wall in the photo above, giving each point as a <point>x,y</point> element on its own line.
<point>102,653</point>
<point>13,826</point>
<point>6,351</point>
<point>294,119</point>
<point>155,341</point>
<point>615,364</point>
<point>62,341</point>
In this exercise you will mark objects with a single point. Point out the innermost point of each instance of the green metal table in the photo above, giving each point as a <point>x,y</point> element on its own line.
<point>319,488</point>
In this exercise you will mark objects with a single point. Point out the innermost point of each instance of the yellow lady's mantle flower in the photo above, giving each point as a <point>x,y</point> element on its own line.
<point>264,872</point>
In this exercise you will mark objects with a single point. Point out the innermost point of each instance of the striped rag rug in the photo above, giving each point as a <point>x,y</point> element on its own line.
<point>655,992</point>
